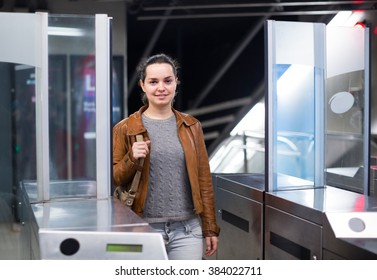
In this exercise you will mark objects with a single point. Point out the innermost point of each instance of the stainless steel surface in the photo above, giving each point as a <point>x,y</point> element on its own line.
<point>311,203</point>
<point>290,237</point>
<point>77,227</point>
<point>248,185</point>
<point>62,189</point>
<point>239,204</point>
<point>287,224</point>
<point>353,224</point>
<point>373,178</point>
<point>103,214</point>
<point>131,242</point>
<point>315,206</point>
<point>347,248</point>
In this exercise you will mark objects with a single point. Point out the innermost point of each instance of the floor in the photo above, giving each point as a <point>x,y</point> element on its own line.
<point>13,237</point>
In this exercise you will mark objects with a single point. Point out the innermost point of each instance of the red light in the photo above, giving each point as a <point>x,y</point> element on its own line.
<point>375,31</point>
<point>360,25</point>
<point>359,204</point>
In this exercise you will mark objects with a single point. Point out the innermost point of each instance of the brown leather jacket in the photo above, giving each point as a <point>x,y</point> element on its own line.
<point>191,136</point>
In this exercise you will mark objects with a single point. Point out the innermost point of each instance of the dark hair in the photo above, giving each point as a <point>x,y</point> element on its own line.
<point>156,59</point>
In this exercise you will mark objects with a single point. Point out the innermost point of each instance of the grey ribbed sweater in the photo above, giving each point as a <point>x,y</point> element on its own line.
<point>169,193</point>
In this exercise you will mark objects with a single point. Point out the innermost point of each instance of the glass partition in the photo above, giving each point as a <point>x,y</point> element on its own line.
<point>72,99</point>
<point>295,98</point>
<point>71,110</point>
<point>347,108</point>
<point>318,106</point>
<point>54,84</point>
<point>18,62</point>
<point>244,150</point>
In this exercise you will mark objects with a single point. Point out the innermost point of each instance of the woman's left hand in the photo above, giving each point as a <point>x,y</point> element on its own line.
<point>211,245</point>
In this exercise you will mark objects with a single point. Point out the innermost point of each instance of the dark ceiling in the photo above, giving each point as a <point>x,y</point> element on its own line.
<point>220,47</point>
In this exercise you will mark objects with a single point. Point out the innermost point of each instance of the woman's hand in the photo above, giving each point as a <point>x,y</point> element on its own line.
<point>211,245</point>
<point>140,149</point>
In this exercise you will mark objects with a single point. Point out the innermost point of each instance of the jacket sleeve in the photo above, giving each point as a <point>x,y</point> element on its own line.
<point>208,217</point>
<point>124,164</point>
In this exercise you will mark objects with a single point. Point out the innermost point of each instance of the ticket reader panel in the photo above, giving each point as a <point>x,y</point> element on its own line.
<point>133,243</point>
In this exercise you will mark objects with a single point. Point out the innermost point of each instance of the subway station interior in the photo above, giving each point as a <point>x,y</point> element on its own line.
<point>285,92</point>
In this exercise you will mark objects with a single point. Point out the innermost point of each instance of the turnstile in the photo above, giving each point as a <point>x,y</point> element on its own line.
<point>75,225</point>
<point>239,206</point>
<point>314,223</point>
<point>295,223</point>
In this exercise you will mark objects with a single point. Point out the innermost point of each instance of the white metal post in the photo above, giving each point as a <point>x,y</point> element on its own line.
<point>42,116</point>
<point>103,110</point>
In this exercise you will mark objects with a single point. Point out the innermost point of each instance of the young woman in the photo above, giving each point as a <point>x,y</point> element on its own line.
<point>175,193</point>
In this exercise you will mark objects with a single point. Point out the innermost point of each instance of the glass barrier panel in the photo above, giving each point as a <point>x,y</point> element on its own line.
<point>347,109</point>
<point>295,93</point>
<point>17,120</point>
<point>72,102</point>
<point>240,154</point>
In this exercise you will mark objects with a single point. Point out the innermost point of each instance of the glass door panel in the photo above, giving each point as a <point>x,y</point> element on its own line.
<point>72,102</point>
<point>347,108</point>
<point>295,98</point>
<point>17,119</point>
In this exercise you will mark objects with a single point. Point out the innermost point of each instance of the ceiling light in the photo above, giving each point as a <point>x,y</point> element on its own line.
<point>65,31</point>
<point>346,18</point>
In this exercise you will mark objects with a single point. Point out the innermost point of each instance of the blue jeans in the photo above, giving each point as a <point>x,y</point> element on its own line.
<point>183,240</point>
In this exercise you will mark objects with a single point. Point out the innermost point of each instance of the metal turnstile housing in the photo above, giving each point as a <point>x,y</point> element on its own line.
<point>73,226</point>
<point>239,205</point>
<point>297,224</point>
<point>290,224</point>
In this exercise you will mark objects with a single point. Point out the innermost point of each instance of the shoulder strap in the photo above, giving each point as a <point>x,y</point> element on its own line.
<point>135,182</point>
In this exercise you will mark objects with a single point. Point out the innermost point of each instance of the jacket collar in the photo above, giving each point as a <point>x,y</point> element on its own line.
<point>183,118</point>
<point>135,124</point>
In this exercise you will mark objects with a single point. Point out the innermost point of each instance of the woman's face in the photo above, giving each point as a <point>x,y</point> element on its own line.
<point>159,85</point>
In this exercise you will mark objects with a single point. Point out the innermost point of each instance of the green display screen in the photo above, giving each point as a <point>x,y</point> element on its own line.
<point>124,248</point>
